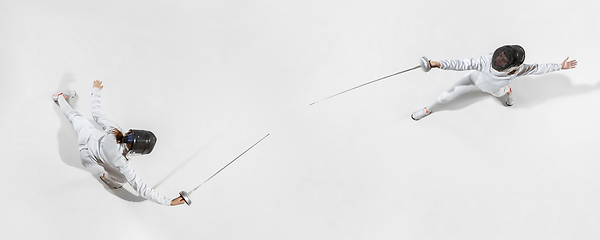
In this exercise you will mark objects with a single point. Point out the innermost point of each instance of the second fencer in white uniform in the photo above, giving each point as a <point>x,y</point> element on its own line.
<point>492,74</point>
<point>108,151</point>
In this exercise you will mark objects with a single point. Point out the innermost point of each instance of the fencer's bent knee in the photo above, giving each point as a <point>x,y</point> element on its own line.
<point>443,98</point>
<point>447,96</point>
<point>86,158</point>
<point>501,92</point>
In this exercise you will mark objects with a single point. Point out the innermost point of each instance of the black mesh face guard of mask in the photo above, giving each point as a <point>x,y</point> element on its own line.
<point>142,141</point>
<point>508,56</point>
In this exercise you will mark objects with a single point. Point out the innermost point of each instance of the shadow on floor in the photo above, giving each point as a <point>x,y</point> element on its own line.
<point>527,92</point>
<point>121,193</point>
<point>536,91</point>
<point>201,149</point>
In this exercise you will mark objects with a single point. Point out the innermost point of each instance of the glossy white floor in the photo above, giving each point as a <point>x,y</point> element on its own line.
<point>212,77</point>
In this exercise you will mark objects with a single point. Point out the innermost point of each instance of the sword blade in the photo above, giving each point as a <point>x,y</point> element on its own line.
<point>190,192</point>
<point>379,79</point>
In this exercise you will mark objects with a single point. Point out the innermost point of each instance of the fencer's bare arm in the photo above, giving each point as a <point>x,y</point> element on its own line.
<point>569,64</point>
<point>177,201</point>
<point>98,84</point>
<point>434,64</point>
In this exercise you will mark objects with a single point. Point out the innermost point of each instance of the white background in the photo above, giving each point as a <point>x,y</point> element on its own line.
<point>210,78</point>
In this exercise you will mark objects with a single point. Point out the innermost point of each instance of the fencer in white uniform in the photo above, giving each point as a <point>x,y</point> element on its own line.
<point>491,73</point>
<point>101,150</point>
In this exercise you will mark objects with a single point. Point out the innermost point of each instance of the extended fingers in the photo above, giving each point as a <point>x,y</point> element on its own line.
<point>573,63</point>
<point>570,64</point>
<point>566,64</point>
<point>98,84</point>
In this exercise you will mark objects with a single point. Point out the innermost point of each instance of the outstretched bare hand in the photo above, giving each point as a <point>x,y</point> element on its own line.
<point>98,84</point>
<point>569,64</point>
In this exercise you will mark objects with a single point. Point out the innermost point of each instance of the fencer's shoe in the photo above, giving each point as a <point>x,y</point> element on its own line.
<point>507,99</point>
<point>67,94</point>
<point>109,182</point>
<point>420,114</point>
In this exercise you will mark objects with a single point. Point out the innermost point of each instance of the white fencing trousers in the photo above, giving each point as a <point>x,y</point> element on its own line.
<point>464,85</point>
<point>84,129</point>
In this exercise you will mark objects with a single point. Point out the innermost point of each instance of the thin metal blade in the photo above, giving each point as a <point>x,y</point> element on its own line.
<point>379,79</point>
<point>190,192</point>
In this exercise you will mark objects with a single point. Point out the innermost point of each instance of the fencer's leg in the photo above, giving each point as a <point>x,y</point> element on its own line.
<point>464,85</point>
<point>110,181</point>
<point>80,124</point>
<point>96,169</point>
<point>506,98</point>
<point>461,87</point>
<point>104,176</point>
<point>83,128</point>
<point>66,108</point>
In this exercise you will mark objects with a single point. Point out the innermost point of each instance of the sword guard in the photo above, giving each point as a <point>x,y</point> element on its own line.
<point>186,197</point>
<point>425,64</point>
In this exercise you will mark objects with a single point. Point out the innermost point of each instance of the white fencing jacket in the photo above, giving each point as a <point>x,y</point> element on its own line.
<point>488,79</point>
<point>106,152</point>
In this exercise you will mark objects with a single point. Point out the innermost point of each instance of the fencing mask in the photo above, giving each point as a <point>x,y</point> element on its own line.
<point>142,141</point>
<point>508,56</point>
